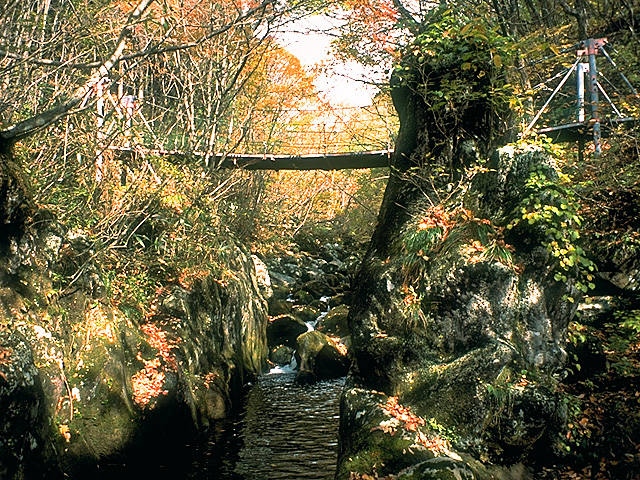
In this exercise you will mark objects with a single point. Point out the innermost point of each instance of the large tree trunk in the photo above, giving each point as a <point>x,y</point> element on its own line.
<point>445,330</point>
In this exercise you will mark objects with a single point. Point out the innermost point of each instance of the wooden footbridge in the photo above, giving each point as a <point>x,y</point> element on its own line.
<point>294,139</point>
<point>310,161</point>
<point>349,138</point>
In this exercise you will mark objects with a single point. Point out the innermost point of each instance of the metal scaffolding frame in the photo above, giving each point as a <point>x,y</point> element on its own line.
<point>586,72</point>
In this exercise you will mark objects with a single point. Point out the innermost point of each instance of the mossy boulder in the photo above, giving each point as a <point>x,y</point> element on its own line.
<point>471,341</point>
<point>335,321</point>
<point>461,304</point>
<point>320,357</point>
<point>440,468</point>
<point>102,386</point>
<point>281,355</point>
<point>284,330</point>
<point>377,442</point>
<point>387,439</point>
<point>279,306</point>
<point>306,313</point>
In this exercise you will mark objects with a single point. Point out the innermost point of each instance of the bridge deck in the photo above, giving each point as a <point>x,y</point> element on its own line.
<point>355,160</point>
<point>316,161</point>
<point>572,132</point>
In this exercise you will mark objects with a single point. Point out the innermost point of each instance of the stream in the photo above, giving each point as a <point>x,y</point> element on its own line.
<point>285,431</point>
<point>280,428</point>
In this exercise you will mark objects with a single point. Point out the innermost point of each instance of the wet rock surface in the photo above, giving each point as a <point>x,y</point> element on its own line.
<point>307,314</point>
<point>281,355</point>
<point>320,357</point>
<point>83,386</point>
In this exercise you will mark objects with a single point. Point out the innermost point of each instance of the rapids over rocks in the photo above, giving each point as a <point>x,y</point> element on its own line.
<point>287,426</point>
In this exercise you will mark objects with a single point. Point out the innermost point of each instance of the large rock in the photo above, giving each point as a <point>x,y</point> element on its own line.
<point>457,311</point>
<point>84,386</point>
<point>335,321</point>
<point>319,357</point>
<point>324,285</point>
<point>281,355</point>
<point>306,313</point>
<point>383,433</point>
<point>284,329</point>
<point>281,283</point>
<point>474,343</point>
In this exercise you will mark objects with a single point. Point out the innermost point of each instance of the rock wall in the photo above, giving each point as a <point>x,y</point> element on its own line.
<point>459,313</point>
<point>473,345</point>
<point>83,387</point>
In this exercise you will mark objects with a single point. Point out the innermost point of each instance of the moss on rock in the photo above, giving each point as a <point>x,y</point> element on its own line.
<point>461,287</point>
<point>106,385</point>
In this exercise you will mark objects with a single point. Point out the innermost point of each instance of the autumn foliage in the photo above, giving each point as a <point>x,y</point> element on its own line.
<point>408,421</point>
<point>148,383</point>
<point>377,19</point>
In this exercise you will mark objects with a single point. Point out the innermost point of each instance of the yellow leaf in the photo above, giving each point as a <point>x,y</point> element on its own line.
<point>64,431</point>
<point>497,61</point>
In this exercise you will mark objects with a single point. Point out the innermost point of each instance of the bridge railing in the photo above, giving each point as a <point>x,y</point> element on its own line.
<point>145,124</point>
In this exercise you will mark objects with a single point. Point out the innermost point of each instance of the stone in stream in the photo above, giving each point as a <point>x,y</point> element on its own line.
<point>319,357</point>
<point>281,283</point>
<point>335,322</point>
<point>281,355</point>
<point>279,306</point>
<point>306,313</point>
<point>327,285</point>
<point>284,329</point>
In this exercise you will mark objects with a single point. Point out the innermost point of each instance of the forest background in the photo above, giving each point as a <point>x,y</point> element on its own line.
<point>81,81</point>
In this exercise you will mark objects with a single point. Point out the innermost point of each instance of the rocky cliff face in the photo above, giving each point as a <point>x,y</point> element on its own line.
<point>83,386</point>
<point>461,306</point>
<point>468,337</point>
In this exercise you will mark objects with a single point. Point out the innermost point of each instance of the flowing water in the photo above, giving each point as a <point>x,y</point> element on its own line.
<point>286,431</point>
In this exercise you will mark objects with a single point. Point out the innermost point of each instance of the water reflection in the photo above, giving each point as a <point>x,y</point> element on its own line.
<point>286,431</point>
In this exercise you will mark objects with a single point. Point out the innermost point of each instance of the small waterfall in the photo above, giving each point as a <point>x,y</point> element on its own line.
<point>291,368</point>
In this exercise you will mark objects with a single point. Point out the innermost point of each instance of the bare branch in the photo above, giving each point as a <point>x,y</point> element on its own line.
<point>37,122</point>
<point>156,49</point>
<point>579,13</point>
<point>82,94</point>
<point>406,17</point>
